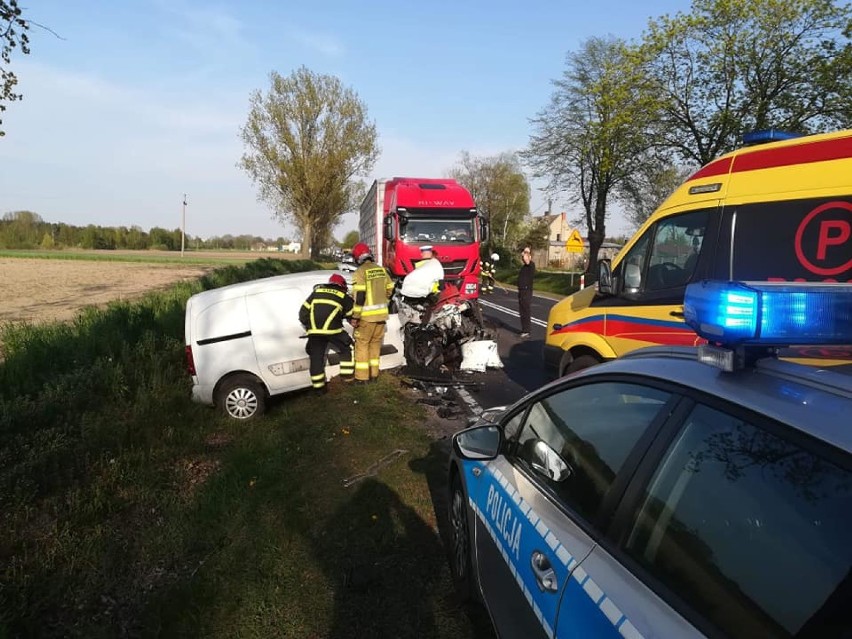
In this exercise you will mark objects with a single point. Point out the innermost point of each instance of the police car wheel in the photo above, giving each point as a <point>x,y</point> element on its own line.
<point>242,397</point>
<point>460,566</point>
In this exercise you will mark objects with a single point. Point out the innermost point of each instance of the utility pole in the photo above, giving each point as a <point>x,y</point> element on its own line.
<point>183,226</point>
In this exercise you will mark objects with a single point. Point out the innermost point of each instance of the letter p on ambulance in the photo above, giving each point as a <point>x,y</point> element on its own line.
<point>826,239</point>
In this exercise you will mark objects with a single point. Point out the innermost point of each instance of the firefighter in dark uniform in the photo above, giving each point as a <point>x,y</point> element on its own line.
<point>322,315</point>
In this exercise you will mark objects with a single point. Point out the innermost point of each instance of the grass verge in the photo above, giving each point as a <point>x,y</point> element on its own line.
<point>557,282</point>
<point>126,510</point>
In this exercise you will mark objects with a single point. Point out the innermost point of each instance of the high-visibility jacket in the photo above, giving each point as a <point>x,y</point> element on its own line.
<point>372,286</point>
<point>324,310</point>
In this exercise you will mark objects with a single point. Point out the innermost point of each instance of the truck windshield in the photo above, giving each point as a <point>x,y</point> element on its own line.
<point>426,231</point>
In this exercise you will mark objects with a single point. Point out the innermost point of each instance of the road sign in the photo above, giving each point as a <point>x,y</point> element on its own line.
<point>574,243</point>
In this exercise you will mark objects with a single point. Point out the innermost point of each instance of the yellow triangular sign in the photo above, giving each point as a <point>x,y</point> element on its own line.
<point>574,243</point>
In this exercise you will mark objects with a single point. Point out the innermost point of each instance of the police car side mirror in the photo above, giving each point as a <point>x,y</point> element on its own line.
<point>547,462</point>
<point>479,443</point>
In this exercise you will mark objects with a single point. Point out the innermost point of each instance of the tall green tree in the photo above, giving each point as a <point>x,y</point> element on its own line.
<point>501,191</point>
<point>13,35</point>
<point>592,135</point>
<point>307,139</point>
<point>730,66</point>
<point>350,239</point>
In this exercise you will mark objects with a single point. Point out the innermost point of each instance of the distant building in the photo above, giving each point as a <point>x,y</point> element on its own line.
<point>292,247</point>
<point>557,256</point>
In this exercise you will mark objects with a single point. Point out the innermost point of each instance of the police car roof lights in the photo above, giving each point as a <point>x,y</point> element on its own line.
<point>766,314</point>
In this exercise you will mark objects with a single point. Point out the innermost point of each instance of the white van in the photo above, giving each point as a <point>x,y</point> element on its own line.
<point>244,342</point>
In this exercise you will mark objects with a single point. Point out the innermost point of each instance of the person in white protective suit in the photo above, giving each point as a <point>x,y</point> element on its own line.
<point>426,276</point>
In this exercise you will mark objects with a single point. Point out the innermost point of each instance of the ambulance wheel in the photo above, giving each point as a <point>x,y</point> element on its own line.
<point>581,362</point>
<point>241,397</point>
<point>460,565</point>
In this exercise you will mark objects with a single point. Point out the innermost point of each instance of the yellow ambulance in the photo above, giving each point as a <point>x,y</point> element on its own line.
<point>773,211</point>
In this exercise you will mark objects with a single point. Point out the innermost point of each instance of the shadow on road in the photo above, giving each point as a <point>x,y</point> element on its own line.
<point>434,466</point>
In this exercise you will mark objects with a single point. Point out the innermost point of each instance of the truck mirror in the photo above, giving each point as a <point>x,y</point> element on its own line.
<point>387,230</point>
<point>604,277</point>
<point>483,230</point>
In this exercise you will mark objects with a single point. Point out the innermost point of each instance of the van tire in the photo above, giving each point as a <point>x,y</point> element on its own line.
<point>241,397</point>
<point>581,362</point>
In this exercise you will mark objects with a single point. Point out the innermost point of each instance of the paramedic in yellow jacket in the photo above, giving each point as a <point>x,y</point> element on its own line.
<point>372,287</point>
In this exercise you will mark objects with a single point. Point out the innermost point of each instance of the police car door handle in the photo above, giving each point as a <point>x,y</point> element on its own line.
<point>545,577</point>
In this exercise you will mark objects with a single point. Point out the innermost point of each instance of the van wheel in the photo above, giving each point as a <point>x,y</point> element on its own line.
<point>242,397</point>
<point>579,363</point>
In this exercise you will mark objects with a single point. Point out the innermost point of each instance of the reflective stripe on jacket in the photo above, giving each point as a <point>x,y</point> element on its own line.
<point>324,310</point>
<point>372,287</point>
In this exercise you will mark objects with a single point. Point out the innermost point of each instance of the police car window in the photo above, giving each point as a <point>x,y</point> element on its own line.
<point>510,428</point>
<point>592,428</point>
<point>674,254</point>
<point>750,529</point>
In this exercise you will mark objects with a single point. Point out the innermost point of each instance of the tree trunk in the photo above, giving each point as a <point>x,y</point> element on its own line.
<point>307,239</point>
<point>596,238</point>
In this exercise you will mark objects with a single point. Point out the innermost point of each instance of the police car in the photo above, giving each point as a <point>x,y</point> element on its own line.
<point>674,492</point>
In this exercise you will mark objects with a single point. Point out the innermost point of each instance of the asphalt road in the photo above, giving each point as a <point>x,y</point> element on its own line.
<point>523,365</point>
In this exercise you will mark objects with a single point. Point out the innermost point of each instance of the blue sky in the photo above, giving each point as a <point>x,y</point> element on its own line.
<point>142,100</point>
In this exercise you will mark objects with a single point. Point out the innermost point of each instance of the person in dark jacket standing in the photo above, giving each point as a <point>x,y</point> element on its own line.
<point>525,291</point>
<point>322,315</point>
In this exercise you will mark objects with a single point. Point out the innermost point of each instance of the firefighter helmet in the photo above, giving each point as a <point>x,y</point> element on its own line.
<point>337,279</point>
<point>495,257</point>
<point>360,252</point>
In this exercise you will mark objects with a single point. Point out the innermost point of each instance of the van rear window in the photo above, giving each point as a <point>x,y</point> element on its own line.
<point>798,240</point>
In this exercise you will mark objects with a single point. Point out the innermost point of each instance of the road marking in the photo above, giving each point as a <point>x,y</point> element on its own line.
<point>468,399</point>
<point>511,312</point>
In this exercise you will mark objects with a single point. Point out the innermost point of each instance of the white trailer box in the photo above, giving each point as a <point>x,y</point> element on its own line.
<point>244,342</point>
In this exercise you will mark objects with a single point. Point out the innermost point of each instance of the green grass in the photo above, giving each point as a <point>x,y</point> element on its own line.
<point>556,282</point>
<point>128,510</point>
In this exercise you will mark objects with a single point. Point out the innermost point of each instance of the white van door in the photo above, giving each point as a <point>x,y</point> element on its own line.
<point>281,358</point>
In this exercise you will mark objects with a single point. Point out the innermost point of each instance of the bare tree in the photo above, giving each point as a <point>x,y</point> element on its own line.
<point>500,189</point>
<point>647,188</point>
<point>13,35</point>
<point>307,139</point>
<point>592,135</point>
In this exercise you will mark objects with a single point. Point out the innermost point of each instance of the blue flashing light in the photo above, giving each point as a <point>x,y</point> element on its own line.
<point>768,135</point>
<point>770,314</point>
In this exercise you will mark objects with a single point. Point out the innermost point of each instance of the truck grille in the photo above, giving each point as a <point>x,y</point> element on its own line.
<point>454,268</point>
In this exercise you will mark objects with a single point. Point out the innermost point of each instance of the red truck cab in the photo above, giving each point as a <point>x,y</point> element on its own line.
<point>412,212</point>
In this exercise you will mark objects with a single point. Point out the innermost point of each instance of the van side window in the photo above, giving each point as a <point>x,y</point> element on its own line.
<point>665,258</point>
<point>674,255</point>
<point>735,515</point>
<point>634,264</point>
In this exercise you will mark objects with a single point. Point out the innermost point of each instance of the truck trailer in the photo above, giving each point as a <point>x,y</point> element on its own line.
<point>401,214</point>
